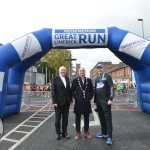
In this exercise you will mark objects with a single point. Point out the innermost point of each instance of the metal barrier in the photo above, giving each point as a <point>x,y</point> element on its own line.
<point>25,100</point>
<point>132,97</point>
<point>127,101</point>
<point>35,99</point>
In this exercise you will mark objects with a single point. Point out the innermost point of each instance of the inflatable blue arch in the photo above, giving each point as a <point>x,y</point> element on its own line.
<point>17,56</point>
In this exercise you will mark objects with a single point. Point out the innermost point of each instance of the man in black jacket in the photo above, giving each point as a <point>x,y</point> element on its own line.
<point>103,97</point>
<point>82,91</point>
<point>61,97</point>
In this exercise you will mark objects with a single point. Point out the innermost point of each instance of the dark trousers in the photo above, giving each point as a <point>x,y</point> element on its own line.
<point>61,113</point>
<point>105,116</point>
<point>78,122</point>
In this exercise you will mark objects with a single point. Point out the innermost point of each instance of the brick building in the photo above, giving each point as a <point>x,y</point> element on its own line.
<point>107,65</point>
<point>120,73</point>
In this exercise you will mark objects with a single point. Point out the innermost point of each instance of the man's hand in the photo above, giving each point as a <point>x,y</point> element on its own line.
<point>55,105</point>
<point>109,102</point>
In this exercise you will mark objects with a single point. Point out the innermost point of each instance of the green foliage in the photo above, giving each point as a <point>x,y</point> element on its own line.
<point>53,60</point>
<point>56,58</point>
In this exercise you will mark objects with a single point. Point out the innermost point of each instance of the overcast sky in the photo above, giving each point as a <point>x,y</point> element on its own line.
<point>19,17</point>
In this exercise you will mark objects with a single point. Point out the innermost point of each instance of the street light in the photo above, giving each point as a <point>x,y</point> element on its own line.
<point>70,66</point>
<point>142,26</point>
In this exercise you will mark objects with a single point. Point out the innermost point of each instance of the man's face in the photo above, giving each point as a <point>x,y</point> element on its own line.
<point>81,72</point>
<point>100,70</point>
<point>62,71</point>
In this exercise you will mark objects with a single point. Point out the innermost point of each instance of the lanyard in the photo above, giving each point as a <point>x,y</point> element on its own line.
<point>102,78</point>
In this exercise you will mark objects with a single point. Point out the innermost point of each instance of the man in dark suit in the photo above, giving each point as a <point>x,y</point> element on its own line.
<point>61,97</point>
<point>82,91</point>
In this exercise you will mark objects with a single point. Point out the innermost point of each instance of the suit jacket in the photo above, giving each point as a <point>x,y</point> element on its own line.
<point>82,105</point>
<point>61,95</point>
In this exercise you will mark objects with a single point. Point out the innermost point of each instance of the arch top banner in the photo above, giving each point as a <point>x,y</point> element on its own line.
<point>75,38</point>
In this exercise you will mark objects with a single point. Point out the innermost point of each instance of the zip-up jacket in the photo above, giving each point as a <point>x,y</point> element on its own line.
<point>106,92</point>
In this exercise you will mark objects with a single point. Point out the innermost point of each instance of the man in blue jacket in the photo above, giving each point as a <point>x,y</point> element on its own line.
<point>104,93</point>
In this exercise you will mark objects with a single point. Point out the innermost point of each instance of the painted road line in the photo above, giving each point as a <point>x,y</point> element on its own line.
<point>39,117</point>
<point>22,124</point>
<point>91,123</point>
<point>32,121</point>
<point>42,114</point>
<point>21,132</point>
<point>10,140</point>
<point>27,135</point>
<point>28,125</point>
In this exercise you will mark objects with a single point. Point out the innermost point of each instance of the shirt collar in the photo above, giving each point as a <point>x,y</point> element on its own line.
<point>61,76</point>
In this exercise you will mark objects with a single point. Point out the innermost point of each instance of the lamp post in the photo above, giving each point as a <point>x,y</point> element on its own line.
<point>70,66</point>
<point>49,76</point>
<point>142,26</point>
<point>46,74</point>
<point>30,76</point>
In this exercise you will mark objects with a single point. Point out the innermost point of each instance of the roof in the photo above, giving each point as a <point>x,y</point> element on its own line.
<point>104,63</point>
<point>119,66</point>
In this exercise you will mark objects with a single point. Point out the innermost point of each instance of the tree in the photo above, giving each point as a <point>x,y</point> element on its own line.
<point>56,58</point>
<point>53,60</point>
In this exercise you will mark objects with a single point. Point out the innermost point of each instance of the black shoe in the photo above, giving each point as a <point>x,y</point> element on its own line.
<point>65,135</point>
<point>58,137</point>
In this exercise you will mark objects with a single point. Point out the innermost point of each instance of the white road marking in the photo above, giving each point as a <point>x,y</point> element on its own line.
<point>39,117</point>
<point>27,134</point>
<point>33,121</point>
<point>91,123</point>
<point>42,114</point>
<point>21,132</point>
<point>27,125</point>
<point>11,140</point>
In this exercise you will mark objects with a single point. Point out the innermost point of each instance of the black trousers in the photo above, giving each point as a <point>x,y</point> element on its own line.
<point>78,122</point>
<point>105,116</point>
<point>61,113</point>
